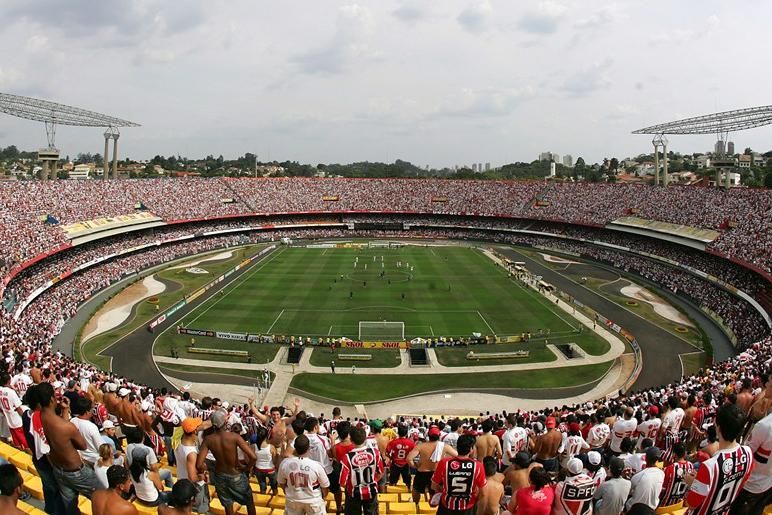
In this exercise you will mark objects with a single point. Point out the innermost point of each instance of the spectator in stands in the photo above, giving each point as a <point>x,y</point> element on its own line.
<point>492,494</point>
<point>230,477</point>
<point>646,486</point>
<point>10,489</point>
<point>115,499</point>
<point>574,495</point>
<point>547,446</point>
<point>361,470</point>
<point>72,476</point>
<point>304,481</point>
<point>182,499</point>
<point>459,480</point>
<point>611,495</point>
<point>720,479</point>
<point>757,492</point>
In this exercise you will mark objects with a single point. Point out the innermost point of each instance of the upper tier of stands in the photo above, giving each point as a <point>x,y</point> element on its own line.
<point>744,217</point>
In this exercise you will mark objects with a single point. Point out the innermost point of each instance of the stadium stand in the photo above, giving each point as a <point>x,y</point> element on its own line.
<point>38,259</point>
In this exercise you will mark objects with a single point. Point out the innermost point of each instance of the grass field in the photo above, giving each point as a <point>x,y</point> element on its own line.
<point>186,283</point>
<point>373,388</point>
<point>444,291</point>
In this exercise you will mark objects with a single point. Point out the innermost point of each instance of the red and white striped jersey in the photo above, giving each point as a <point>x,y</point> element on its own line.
<point>719,481</point>
<point>360,470</point>
<point>461,480</point>
<point>574,496</point>
<point>674,488</point>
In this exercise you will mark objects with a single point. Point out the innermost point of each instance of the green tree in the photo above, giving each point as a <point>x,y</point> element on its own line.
<point>579,167</point>
<point>768,179</point>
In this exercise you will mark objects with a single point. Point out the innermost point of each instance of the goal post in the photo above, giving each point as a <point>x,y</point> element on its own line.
<point>381,330</point>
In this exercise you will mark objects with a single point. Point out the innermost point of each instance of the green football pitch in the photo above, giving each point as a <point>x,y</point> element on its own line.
<point>432,290</point>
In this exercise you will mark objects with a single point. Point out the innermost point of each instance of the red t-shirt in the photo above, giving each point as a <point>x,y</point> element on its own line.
<point>534,503</point>
<point>398,449</point>
<point>461,480</point>
<point>341,450</point>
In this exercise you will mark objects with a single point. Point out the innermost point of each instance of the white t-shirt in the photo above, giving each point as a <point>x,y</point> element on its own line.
<point>760,443</point>
<point>303,479</point>
<point>101,474</point>
<point>622,428</point>
<point>90,432</point>
<point>598,435</point>
<point>9,401</point>
<point>452,439</point>
<point>21,382</point>
<point>648,429</point>
<point>672,421</point>
<point>317,451</point>
<point>646,486</point>
<point>514,441</point>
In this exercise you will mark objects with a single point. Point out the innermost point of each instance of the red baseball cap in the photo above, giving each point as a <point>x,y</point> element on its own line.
<point>434,431</point>
<point>574,427</point>
<point>550,422</point>
<point>653,410</point>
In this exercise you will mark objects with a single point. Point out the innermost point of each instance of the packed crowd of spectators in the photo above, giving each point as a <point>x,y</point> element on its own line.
<point>743,216</point>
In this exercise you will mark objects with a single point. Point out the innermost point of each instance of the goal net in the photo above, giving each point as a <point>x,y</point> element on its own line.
<point>380,331</point>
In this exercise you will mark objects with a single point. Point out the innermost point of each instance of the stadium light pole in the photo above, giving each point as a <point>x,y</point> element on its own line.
<point>105,159</point>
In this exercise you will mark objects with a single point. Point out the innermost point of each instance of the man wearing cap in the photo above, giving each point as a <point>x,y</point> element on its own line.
<point>646,486</point>
<point>108,435</point>
<point>185,455</point>
<point>378,440</point>
<point>231,479</point>
<point>611,495</point>
<point>573,496</point>
<point>548,445</point>
<point>429,454</point>
<point>113,500</point>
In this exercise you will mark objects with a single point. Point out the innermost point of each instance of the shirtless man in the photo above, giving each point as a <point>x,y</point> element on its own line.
<point>65,441</point>
<point>276,423</point>
<point>489,499</point>
<point>379,441</point>
<point>516,476</point>
<point>745,396</point>
<point>231,479</point>
<point>547,446</point>
<point>488,444</point>
<point>10,489</point>
<point>113,501</point>
<point>426,466</point>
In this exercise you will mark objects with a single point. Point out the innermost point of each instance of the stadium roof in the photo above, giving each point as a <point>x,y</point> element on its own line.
<point>59,114</point>
<point>727,121</point>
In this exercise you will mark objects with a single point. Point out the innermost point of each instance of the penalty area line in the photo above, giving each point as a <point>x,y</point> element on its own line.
<point>274,322</point>
<point>486,323</point>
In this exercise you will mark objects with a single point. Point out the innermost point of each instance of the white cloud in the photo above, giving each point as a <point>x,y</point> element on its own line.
<point>589,79</point>
<point>544,19</point>
<point>36,43</point>
<point>476,17</point>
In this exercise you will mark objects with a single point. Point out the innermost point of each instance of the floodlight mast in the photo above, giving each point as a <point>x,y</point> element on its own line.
<point>720,124</point>
<point>53,114</point>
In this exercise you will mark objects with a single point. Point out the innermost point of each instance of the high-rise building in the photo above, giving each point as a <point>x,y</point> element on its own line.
<point>719,148</point>
<point>730,148</point>
<point>545,156</point>
<point>555,157</point>
<point>487,167</point>
<point>474,167</point>
<point>568,160</point>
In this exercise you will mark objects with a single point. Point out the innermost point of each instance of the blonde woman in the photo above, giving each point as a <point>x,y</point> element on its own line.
<point>104,462</point>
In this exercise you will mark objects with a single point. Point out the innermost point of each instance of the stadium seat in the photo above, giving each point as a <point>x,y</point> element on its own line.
<point>768,509</point>
<point>35,487</point>
<point>23,506</point>
<point>84,506</point>
<point>277,502</point>
<point>424,507</point>
<point>261,499</point>
<point>387,497</point>
<point>406,497</point>
<point>22,460</point>
<point>146,510</point>
<point>7,450</point>
<point>397,489</point>
<point>401,507</point>
<point>662,510</point>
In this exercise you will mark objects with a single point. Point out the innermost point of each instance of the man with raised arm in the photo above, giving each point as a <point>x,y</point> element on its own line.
<point>231,478</point>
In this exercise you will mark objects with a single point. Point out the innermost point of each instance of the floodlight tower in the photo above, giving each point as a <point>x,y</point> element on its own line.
<point>53,114</point>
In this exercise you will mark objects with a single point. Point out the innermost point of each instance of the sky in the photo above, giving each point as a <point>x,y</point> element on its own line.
<point>438,83</point>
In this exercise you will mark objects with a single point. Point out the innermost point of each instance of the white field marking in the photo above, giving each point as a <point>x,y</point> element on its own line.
<point>486,323</point>
<point>217,257</point>
<point>274,322</point>
<point>234,286</point>
<point>324,252</point>
<point>432,330</point>
<point>330,331</point>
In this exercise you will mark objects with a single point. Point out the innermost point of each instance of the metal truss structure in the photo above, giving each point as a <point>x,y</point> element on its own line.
<point>716,123</point>
<point>53,114</point>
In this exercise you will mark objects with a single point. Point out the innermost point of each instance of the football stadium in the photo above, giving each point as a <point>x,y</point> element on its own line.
<point>249,336</point>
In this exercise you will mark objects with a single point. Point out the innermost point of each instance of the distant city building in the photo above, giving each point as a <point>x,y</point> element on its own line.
<point>545,156</point>
<point>568,160</point>
<point>719,148</point>
<point>474,167</point>
<point>552,169</point>
<point>730,148</point>
<point>487,167</point>
<point>744,161</point>
<point>555,157</point>
<point>479,167</point>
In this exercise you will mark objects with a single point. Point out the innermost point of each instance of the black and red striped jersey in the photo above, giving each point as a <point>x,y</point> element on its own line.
<point>461,479</point>
<point>674,488</point>
<point>360,470</point>
<point>719,481</point>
